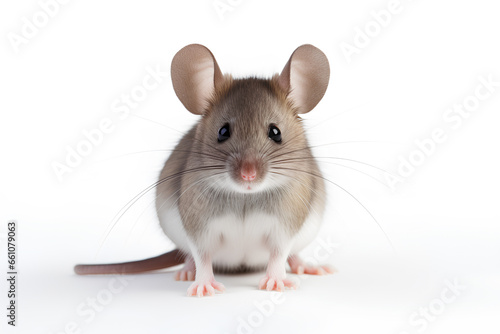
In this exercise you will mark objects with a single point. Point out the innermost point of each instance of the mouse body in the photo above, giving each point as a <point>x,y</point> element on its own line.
<point>241,191</point>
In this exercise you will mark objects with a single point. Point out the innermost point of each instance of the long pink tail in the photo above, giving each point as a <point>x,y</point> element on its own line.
<point>166,260</point>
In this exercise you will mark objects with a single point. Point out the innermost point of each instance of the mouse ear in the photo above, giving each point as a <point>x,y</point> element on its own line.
<point>305,77</point>
<point>195,76</point>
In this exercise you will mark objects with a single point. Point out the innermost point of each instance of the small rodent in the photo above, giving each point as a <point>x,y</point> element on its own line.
<point>242,190</point>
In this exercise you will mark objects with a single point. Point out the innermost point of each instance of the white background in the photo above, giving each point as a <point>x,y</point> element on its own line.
<point>442,219</point>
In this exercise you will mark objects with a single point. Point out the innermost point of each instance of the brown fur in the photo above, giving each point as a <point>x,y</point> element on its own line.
<point>249,106</point>
<point>197,172</point>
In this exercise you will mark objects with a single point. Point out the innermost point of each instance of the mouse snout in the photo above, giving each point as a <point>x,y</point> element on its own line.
<point>248,167</point>
<point>248,170</point>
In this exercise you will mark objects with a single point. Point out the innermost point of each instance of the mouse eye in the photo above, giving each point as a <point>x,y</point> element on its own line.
<point>274,133</point>
<point>224,133</point>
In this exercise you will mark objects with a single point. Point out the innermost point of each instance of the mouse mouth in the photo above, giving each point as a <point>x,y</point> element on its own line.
<point>249,185</point>
<point>247,172</point>
<point>246,185</point>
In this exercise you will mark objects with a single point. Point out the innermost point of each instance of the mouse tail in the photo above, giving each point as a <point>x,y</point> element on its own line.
<point>166,260</point>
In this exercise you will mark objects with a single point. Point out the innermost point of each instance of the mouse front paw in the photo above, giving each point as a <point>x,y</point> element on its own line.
<point>270,283</point>
<point>205,287</point>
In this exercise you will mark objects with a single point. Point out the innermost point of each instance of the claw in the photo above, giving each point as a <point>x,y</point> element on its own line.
<point>201,289</point>
<point>299,267</point>
<point>269,283</point>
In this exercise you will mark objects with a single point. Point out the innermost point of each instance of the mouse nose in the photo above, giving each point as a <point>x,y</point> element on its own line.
<point>248,172</point>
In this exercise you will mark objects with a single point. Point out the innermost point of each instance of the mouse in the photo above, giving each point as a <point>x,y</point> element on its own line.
<point>241,191</point>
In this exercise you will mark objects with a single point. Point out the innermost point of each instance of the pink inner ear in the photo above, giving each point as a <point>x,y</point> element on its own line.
<point>202,83</point>
<point>299,81</point>
<point>195,74</point>
<point>305,77</point>
<point>284,77</point>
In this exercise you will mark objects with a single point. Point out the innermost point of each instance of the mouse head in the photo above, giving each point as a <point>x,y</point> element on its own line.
<point>251,129</point>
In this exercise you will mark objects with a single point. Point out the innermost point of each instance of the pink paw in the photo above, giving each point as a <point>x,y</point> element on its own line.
<point>312,270</point>
<point>300,267</point>
<point>184,275</point>
<point>188,271</point>
<point>271,283</point>
<point>202,288</point>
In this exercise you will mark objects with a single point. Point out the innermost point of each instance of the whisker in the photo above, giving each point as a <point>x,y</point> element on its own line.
<point>359,171</point>
<point>307,147</point>
<point>217,158</point>
<point>166,126</point>
<point>306,185</point>
<point>308,205</point>
<point>129,204</point>
<point>350,194</point>
<point>165,201</point>
<point>200,194</point>
<point>204,179</point>
<point>293,159</point>
<point>322,122</point>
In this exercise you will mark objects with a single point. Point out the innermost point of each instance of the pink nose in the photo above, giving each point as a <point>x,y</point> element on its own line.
<point>248,174</point>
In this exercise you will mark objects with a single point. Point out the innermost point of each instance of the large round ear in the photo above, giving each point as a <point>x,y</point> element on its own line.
<point>195,76</point>
<point>305,77</point>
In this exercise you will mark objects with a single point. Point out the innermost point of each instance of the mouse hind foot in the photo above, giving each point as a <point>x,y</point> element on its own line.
<point>299,266</point>
<point>187,272</point>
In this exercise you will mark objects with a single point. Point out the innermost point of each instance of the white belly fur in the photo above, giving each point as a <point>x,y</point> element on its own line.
<point>243,241</point>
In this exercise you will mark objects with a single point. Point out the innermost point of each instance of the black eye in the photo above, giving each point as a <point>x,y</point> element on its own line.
<point>274,133</point>
<point>224,133</point>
